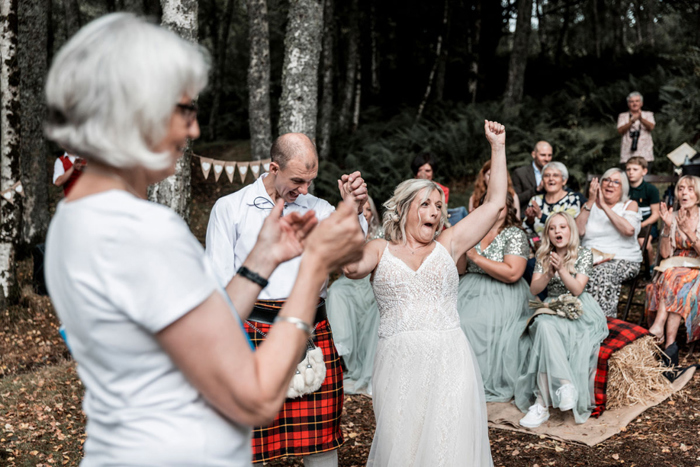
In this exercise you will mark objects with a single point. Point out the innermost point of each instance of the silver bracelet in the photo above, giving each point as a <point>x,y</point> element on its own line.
<point>299,323</point>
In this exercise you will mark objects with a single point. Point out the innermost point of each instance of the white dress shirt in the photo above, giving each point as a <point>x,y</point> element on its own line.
<point>234,225</point>
<point>538,174</point>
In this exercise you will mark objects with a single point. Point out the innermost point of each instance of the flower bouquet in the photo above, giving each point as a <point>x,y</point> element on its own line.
<point>566,306</point>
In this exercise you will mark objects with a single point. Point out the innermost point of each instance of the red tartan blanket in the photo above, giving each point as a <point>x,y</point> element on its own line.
<point>620,334</point>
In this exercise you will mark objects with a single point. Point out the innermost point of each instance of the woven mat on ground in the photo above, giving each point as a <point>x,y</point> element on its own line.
<point>620,334</point>
<point>561,426</point>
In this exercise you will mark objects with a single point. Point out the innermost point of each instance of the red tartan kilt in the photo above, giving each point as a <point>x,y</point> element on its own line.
<point>308,424</point>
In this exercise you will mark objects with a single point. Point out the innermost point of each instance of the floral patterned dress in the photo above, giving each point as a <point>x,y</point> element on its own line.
<point>678,289</point>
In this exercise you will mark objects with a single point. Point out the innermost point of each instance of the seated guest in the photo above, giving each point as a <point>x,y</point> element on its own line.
<point>481,185</point>
<point>492,302</point>
<point>672,297</point>
<point>554,199</point>
<point>647,197</point>
<point>354,318</point>
<point>527,180</point>
<point>610,223</point>
<point>170,375</point>
<point>558,355</point>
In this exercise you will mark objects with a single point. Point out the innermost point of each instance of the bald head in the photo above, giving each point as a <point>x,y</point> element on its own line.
<point>542,154</point>
<point>294,146</point>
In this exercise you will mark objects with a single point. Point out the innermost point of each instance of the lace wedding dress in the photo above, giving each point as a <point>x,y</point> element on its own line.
<point>428,396</point>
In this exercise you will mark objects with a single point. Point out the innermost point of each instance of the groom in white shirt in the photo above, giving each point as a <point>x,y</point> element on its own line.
<point>309,425</point>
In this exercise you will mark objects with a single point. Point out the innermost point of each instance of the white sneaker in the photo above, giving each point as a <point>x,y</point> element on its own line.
<point>567,397</point>
<point>536,415</point>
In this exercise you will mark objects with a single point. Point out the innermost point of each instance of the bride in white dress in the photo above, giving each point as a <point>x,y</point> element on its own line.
<point>428,396</point>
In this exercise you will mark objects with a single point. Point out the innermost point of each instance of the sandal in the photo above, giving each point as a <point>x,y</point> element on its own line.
<point>658,340</point>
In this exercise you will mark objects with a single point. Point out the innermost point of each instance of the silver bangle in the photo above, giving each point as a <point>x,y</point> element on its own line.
<point>299,323</point>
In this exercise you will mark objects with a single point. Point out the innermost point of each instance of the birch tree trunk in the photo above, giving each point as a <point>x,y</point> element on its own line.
<point>376,87</point>
<point>33,66</point>
<point>259,80</point>
<point>518,57</point>
<point>302,52</point>
<point>180,16</point>
<point>351,68</point>
<point>358,98</point>
<point>474,47</point>
<point>326,116</point>
<point>9,149</point>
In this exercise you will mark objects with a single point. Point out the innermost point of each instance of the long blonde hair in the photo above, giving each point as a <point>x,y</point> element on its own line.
<point>542,255</point>
<point>397,207</point>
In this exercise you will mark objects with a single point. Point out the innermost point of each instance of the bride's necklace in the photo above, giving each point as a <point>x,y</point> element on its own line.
<point>413,250</point>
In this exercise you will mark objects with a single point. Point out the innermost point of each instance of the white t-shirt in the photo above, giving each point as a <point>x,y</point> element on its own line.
<point>602,235</point>
<point>234,224</point>
<point>119,270</point>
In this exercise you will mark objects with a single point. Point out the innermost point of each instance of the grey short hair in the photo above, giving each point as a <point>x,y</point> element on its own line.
<point>557,166</point>
<point>113,87</point>
<point>625,181</point>
<point>635,94</point>
<point>397,207</point>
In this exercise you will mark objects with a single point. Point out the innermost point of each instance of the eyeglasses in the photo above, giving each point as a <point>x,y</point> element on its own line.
<point>611,182</point>
<point>551,175</point>
<point>188,111</point>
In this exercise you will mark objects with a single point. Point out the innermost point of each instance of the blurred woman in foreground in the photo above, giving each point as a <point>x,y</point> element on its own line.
<point>169,374</point>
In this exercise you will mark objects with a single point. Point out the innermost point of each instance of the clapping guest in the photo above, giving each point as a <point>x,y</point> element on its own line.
<point>492,302</point>
<point>610,223</point>
<point>558,355</point>
<point>672,297</point>
<point>170,377</point>
<point>554,199</point>
<point>481,185</point>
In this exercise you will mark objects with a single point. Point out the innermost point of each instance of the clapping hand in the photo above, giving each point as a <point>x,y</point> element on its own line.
<point>685,222</point>
<point>495,133</point>
<point>666,214</point>
<point>536,209</point>
<point>282,238</point>
<point>593,190</point>
<point>555,262</point>
<point>355,187</point>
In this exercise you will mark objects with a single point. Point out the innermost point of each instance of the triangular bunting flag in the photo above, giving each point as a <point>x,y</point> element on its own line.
<point>266,164</point>
<point>19,188</point>
<point>255,168</point>
<point>230,168</point>
<point>206,166</point>
<point>243,170</point>
<point>218,168</point>
<point>8,195</point>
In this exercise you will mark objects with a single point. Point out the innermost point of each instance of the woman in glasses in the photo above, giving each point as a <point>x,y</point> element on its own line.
<point>610,222</point>
<point>170,377</point>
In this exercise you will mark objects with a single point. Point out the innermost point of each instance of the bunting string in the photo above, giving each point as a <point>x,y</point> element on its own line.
<point>256,168</point>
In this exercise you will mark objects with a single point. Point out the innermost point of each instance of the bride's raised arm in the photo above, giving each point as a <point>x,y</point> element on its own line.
<point>464,235</point>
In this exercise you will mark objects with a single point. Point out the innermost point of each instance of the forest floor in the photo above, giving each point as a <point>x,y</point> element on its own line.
<point>42,424</point>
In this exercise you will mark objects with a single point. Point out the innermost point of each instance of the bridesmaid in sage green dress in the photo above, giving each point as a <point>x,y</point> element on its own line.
<point>492,302</point>
<point>559,356</point>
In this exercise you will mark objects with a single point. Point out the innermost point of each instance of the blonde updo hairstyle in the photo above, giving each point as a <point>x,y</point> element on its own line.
<point>398,205</point>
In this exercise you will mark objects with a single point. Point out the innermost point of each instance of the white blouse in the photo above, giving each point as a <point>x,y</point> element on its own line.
<point>602,235</point>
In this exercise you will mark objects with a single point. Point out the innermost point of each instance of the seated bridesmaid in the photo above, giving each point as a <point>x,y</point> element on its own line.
<point>354,318</point>
<point>673,297</point>
<point>493,302</point>
<point>481,185</point>
<point>558,356</point>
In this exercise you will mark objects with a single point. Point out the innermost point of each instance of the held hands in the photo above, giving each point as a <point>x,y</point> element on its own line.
<point>495,133</point>
<point>354,186</point>
<point>685,223</point>
<point>282,238</point>
<point>666,214</point>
